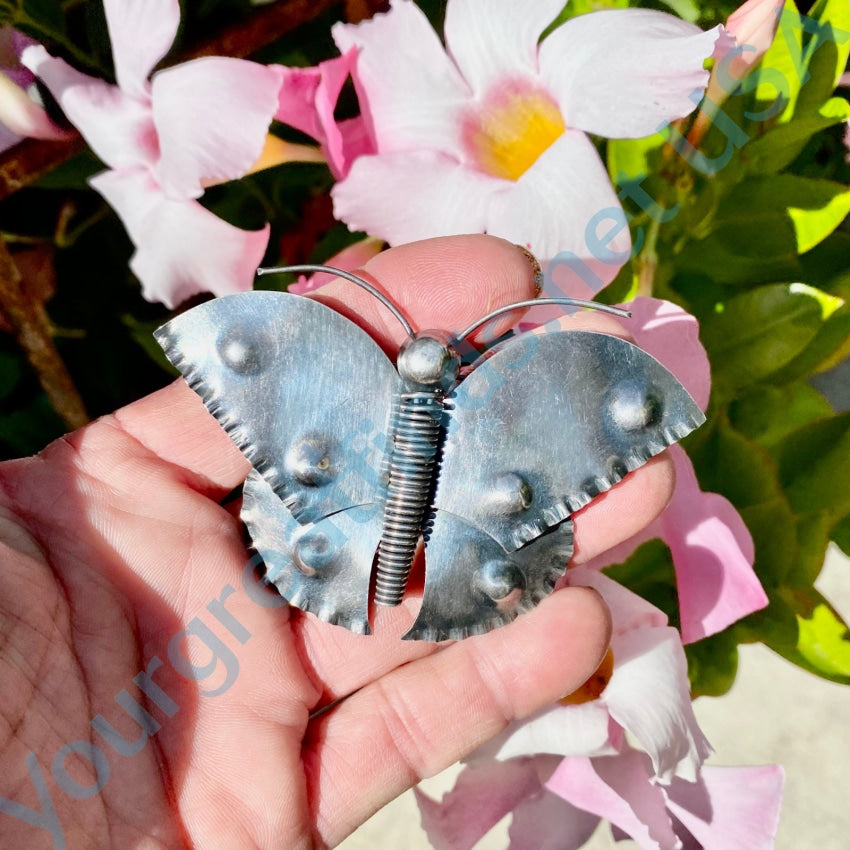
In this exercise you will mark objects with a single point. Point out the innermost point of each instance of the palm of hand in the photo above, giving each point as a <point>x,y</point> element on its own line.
<point>155,695</point>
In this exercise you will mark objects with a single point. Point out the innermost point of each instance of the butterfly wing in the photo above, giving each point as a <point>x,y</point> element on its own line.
<point>536,432</point>
<point>472,585</point>
<point>302,391</point>
<point>321,567</point>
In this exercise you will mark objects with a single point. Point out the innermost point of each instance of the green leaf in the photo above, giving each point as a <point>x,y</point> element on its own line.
<point>633,159</point>
<point>713,664</point>
<point>814,466</point>
<point>813,461</point>
<point>782,144</point>
<point>830,346</point>
<point>762,224</point>
<point>726,462</point>
<point>779,74</point>
<point>813,530</point>
<point>826,52</point>
<point>767,413</point>
<point>74,173</point>
<point>649,573</point>
<point>756,333</point>
<point>841,535</point>
<point>774,531</point>
<point>574,8</point>
<point>814,208</point>
<point>822,645</point>
<point>686,9</point>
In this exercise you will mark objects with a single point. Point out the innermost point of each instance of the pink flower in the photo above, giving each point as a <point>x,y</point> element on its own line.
<point>643,690</point>
<point>711,546</point>
<point>557,803</point>
<point>20,115</point>
<point>489,134</point>
<point>307,101</point>
<point>752,27</point>
<point>164,139</point>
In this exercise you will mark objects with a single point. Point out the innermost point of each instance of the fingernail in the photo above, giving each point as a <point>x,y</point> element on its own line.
<point>536,269</point>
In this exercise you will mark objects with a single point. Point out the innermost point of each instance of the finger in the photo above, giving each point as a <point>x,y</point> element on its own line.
<point>450,280</point>
<point>443,283</point>
<point>424,716</point>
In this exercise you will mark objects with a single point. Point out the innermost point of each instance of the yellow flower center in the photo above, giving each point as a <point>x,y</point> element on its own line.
<point>507,133</point>
<point>593,687</point>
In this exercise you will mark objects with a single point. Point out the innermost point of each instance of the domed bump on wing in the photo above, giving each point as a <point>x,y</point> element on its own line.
<point>284,376</point>
<point>569,413</point>
<point>313,460</point>
<point>632,405</point>
<point>510,494</point>
<point>472,585</point>
<point>323,568</point>
<point>502,582</point>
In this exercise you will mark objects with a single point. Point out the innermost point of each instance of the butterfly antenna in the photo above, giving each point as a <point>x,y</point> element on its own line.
<point>363,284</point>
<point>534,302</point>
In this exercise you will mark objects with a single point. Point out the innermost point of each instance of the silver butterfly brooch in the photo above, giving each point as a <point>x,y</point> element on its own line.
<point>354,460</point>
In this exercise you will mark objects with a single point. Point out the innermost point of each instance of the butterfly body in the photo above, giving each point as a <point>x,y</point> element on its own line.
<point>354,460</point>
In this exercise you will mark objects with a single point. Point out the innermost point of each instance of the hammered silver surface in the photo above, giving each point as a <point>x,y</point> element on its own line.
<point>322,567</point>
<point>302,391</point>
<point>472,585</point>
<point>549,422</point>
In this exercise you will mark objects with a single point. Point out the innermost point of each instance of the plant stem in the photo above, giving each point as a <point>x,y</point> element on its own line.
<point>31,328</point>
<point>648,260</point>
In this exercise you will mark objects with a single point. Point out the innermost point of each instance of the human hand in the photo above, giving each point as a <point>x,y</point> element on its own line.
<point>118,560</point>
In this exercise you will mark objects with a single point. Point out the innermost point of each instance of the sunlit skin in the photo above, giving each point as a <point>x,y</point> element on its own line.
<point>113,540</point>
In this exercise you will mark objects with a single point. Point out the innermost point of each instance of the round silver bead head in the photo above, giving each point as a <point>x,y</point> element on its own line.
<point>429,361</point>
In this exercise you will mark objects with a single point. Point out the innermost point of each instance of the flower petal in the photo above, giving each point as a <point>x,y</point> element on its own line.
<point>212,115</point>
<point>619,789</point>
<point>546,821</point>
<point>730,806</point>
<point>491,38</point>
<point>410,195</point>
<point>628,610</point>
<point>483,794</point>
<point>181,248</point>
<point>624,73</point>
<point>23,116</point>
<point>556,209</point>
<point>412,98</point>
<point>753,26</point>
<point>713,555</point>
<point>671,335</point>
<point>649,696</point>
<point>564,730</point>
<point>118,128</point>
<point>141,34</point>
<point>307,100</point>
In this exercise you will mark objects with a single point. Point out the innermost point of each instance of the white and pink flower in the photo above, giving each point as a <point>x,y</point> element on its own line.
<point>556,804</point>
<point>565,768</point>
<point>165,139</point>
<point>490,133</point>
